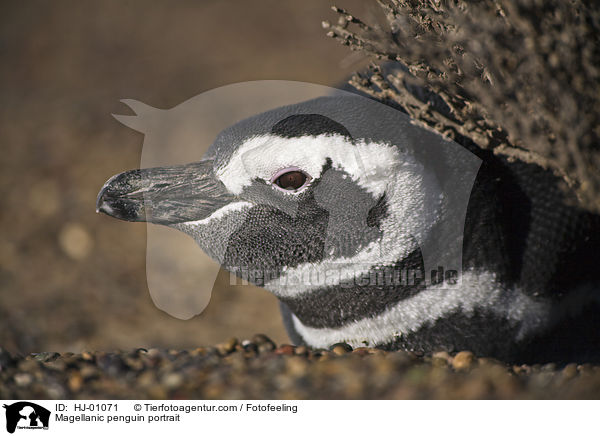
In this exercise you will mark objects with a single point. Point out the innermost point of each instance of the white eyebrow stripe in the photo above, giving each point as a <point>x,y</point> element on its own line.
<point>262,156</point>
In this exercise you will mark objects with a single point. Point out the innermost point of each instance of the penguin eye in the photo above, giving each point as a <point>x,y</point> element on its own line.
<point>290,179</point>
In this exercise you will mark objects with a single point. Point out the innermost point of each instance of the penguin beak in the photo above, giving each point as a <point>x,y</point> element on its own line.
<point>164,195</point>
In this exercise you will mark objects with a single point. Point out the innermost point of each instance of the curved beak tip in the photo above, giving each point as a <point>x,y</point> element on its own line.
<point>104,208</point>
<point>114,203</point>
<point>101,204</point>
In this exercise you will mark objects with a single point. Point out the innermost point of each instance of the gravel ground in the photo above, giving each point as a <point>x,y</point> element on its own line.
<point>258,369</point>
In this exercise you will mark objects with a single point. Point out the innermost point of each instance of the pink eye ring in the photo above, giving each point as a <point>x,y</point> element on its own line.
<point>290,179</point>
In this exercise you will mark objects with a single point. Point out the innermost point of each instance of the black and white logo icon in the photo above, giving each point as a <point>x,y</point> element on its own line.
<point>26,415</point>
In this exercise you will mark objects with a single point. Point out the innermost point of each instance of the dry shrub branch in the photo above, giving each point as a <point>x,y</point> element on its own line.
<point>519,77</point>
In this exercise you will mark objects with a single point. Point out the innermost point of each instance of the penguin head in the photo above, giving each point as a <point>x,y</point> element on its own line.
<point>314,187</point>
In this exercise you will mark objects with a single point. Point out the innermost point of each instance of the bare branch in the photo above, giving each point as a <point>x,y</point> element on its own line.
<point>519,77</point>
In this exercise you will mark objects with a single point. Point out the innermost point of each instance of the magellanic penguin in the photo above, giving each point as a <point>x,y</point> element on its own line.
<point>377,233</point>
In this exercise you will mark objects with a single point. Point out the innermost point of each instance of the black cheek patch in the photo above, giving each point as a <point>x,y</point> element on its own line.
<point>270,239</point>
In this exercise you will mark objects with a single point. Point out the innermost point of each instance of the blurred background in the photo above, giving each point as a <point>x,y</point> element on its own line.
<point>71,279</point>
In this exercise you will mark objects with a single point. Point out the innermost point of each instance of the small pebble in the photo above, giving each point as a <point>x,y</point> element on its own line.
<point>585,368</point>
<point>440,358</point>
<point>521,369</point>
<point>172,380</point>
<point>87,356</point>
<point>301,351</point>
<point>340,348</point>
<point>75,382</point>
<point>46,356</point>
<point>263,342</point>
<point>549,367</point>
<point>200,351</point>
<point>285,349</point>
<point>23,379</point>
<point>228,346</point>
<point>88,371</point>
<point>570,371</point>
<point>250,348</point>
<point>463,361</point>
<point>154,353</point>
